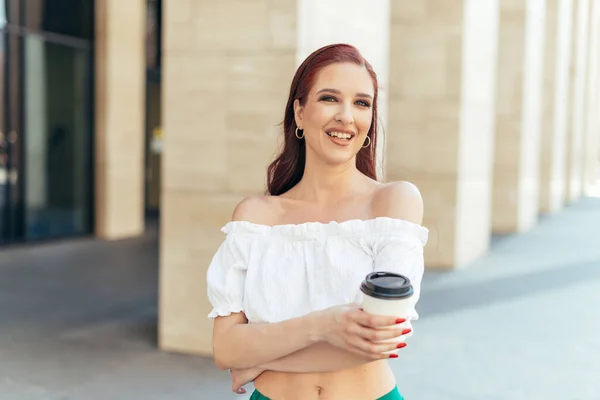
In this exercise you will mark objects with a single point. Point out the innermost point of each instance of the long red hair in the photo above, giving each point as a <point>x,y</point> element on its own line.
<point>287,169</point>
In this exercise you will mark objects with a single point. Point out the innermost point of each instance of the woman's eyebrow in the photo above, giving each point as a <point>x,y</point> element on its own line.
<point>338,92</point>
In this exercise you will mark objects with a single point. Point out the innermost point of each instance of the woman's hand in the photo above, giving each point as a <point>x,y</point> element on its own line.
<point>350,328</point>
<point>241,377</point>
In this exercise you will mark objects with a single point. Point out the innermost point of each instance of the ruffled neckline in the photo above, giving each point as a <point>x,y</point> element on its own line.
<point>353,227</point>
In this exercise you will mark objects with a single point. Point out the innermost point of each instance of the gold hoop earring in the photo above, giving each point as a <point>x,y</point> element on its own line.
<point>298,136</point>
<point>368,144</point>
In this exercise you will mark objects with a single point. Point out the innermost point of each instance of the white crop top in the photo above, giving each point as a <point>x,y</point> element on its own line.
<point>285,271</point>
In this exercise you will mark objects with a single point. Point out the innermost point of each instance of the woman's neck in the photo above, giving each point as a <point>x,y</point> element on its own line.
<point>327,184</point>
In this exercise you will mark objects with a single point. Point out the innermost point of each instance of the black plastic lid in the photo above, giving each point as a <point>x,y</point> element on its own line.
<point>386,285</point>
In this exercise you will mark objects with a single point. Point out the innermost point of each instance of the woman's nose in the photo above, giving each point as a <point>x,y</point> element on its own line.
<point>345,116</point>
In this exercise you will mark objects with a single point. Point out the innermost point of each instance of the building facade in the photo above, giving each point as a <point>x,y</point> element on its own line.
<point>113,111</point>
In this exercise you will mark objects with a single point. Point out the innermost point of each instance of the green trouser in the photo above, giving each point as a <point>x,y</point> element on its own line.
<point>393,395</point>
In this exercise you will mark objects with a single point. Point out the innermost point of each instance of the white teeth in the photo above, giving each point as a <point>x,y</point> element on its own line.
<point>340,135</point>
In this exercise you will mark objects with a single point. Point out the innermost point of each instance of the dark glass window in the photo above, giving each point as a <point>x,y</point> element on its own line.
<point>10,13</point>
<point>57,139</point>
<point>153,34</point>
<point>46,126</point>
<point>74,18</point>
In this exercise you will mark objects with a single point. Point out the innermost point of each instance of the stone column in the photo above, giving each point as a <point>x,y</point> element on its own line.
<point>577,110</point>
<point>518,115</point>
<point>119,118</point>
<point>442,89</point>
<point>559,17</point>
<point>227,67</point>
<point>591,155</point>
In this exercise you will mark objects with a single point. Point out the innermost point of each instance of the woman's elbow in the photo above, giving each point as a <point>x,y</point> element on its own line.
<point>221,364</point>
<point>224,340</point>
<point>220,358</point>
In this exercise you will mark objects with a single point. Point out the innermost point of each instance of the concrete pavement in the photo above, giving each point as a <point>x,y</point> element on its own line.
<point>78,322</point>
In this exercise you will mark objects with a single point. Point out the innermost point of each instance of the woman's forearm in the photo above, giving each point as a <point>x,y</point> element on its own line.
<point>318,357</point>
<point>249,345</point>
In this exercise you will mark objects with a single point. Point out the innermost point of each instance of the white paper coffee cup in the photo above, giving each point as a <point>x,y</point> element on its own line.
<point>388,294</point>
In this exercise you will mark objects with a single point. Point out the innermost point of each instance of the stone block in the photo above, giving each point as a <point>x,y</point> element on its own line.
<point>248,160</point>
<point>283,25</point>
<point>119,200</point>
<point>232,25</point>
<point>420,68</point>
<point>190,236</point>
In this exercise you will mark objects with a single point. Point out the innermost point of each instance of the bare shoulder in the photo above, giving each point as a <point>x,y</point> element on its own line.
<point>257,210</point>
<point>401,200</point>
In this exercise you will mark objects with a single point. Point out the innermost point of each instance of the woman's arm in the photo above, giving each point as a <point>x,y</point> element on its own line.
<point>320,357</point>
<point>239,345</point>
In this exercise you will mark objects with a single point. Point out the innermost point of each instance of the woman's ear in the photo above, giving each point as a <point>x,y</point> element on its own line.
<point>298,113</point>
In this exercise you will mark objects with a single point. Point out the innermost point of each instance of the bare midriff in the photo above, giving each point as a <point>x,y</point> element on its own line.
<point>367,381</point>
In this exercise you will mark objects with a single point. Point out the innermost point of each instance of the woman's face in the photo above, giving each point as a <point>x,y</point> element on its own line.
<point>338,112</point>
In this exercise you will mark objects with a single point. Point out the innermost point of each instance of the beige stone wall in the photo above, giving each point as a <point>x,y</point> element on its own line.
<point>580,49</point>
<point>591,156</point>
<point>515,201</point>
<point>227,67</point>
<point>556,102</point>
<point>442,84</point>
<point>365,25</point>
<point>119,118</point>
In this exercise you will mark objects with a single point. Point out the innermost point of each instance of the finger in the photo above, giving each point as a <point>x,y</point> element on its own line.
<point>378,334</point>
<point>375,321</point>
<point>376,351</point>
<point>363,349</point>
<point>365,354</point>
<point>236,388</point>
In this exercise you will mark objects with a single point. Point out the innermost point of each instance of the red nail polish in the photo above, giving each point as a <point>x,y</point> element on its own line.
<point>393,355</point>
<point>404,332</point>
<point>400,320</point>
<point>401,345</point>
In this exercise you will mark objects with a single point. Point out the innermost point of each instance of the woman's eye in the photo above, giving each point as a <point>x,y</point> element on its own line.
<point>361,103</point>
<point>328,98</point>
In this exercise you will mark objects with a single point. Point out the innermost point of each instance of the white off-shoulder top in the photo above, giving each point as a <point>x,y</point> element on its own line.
<point>274,273</point>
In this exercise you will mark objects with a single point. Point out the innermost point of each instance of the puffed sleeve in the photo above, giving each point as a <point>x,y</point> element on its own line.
<point>400,250</point>
<point>226,277</point>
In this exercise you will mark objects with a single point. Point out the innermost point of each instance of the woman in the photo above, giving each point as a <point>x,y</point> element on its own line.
<point>285,282</point>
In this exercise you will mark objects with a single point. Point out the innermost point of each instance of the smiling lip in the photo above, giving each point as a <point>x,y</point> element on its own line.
<point>341,131</point>
<point>338,141</point>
